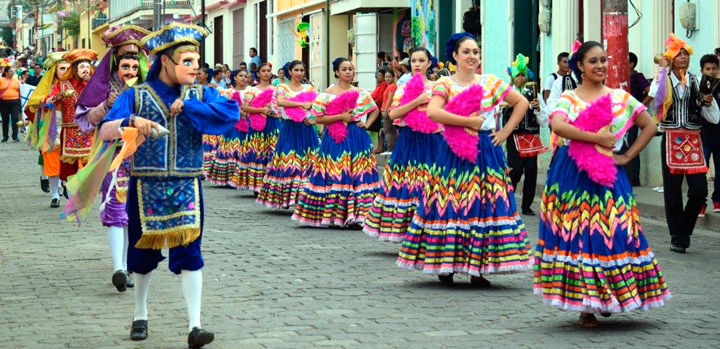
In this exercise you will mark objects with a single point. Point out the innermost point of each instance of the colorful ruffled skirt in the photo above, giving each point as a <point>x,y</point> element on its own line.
<point>342,183</point>
<point>592,255</point>
<point>210,144</point>
<point>227,158</point>
<point>404,178</point>
<point>467,221</point>
<point>287,172</point>
<point>260,147</point>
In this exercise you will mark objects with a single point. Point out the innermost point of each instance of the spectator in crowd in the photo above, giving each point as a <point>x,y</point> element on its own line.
<point>710,133</point>
<point>254,59</point>
<point>405,70</point>
<point>243,66</point>
<point>639,88</point>
<point>35,76</point>
<point>218,79</point>
<point>9,103</point>
<point>563,72</point>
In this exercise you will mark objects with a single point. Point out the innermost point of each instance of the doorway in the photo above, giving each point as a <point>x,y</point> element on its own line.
<point>238,37</point>
<point>218,39</point>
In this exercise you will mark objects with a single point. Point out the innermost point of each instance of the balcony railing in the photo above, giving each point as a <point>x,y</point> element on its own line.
<point>99,21</point>
<point>121,8</point>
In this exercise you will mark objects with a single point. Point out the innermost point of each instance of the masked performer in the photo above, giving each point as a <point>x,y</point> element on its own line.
<point>165,201</point>
<point>122,64</point>
<point>74,144</point>
<point>48,124</point>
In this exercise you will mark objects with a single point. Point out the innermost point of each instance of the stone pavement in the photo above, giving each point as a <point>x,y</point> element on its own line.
<point>270,283</point>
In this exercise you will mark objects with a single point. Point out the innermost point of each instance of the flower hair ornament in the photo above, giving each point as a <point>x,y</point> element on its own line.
<point>450,45</point>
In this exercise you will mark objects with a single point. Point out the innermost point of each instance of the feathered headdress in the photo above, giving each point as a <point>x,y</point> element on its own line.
<point>520,65</point>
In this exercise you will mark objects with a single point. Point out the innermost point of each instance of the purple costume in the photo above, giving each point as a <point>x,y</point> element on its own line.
<point>91,109</point>
<point>112,212</point>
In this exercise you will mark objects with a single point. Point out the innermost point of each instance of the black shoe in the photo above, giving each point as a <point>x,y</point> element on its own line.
<point>446,279</point>
<point>64,190</point>
<point>199,337</point>
<point>677,249</point>
<point>528,212</point>
<point>119,279</point>
<point>16,140</point>
<point>55,203</point>
<point>129,283</point>
<point>479,281</point>
<point>45,185</point>
<point>4,140</point>
<point>139,330</point>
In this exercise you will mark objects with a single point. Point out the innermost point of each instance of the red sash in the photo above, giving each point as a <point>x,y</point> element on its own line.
<point>528,144</point>
<point>684,152</point>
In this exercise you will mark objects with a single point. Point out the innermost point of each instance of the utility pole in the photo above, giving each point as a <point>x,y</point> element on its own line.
<point>615,40</point>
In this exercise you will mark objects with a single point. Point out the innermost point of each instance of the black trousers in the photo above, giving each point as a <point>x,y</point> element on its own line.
<point>681,220</point>
<point>10,110</point>
<point>519,166</point>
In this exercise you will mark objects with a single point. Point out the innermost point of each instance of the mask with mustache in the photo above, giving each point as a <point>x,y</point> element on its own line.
<point>84,70</point>
<point>128,68</point>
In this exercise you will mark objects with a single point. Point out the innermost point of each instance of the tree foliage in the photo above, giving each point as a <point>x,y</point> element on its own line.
<point>71,24</point>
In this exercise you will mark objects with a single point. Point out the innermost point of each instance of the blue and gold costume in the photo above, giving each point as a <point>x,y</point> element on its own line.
<point>165,204</point>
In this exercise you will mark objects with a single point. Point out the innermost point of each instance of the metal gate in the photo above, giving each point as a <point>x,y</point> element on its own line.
<point>286,40</point>
<point>317,51</point>
<point>366,41</point>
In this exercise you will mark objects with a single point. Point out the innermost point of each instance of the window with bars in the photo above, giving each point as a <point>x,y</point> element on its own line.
<point>286,40</point>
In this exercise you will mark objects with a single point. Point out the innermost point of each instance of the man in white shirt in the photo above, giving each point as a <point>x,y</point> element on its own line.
<point>563,77</point>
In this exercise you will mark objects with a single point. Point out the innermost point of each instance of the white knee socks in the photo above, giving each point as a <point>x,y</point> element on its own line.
<point>142,286</point>
<point>116,238</point>
<point>55,186</point>
<point>192,290</point>
<point>125,248</point>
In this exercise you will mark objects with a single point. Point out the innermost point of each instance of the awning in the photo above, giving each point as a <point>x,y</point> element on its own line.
<point>355,5</point>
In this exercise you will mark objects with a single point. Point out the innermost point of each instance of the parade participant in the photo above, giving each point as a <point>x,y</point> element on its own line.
<point>677,92</point>
<point>259,103</point>
<point>48,122</point>
<point>710,133</point>
<point>74,144</point>
<point>343,180</point>
<point>230,149</point>
<point>123,62</point>
<point>467,221</point>
<point>408,170</point>
<point>165,200</point>
<point>581,265</point>
<point>524,145</point>
<point>297,144</point>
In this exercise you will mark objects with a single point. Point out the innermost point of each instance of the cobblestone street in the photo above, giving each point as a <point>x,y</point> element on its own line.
<point>271,283</point>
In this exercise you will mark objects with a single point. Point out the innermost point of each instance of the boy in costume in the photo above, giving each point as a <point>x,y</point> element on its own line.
<point>165,202</point>
<point>122,64</point>
<point>525,144</point>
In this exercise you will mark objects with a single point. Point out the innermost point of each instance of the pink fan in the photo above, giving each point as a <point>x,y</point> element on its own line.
<point>242,124</point>
<point>258,121</point>
<point>417,119</point>
<point>296,113</point>
<point>590,157</point>
<point>462,141</point>
<point>344,102</point>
